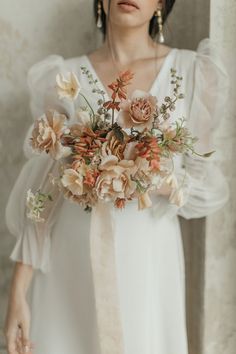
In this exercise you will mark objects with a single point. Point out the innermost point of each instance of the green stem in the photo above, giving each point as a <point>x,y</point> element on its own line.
<point>91,108</point>
<point>112,117</point>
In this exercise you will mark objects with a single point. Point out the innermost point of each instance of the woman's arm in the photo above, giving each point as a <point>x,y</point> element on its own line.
<point>17,323</point>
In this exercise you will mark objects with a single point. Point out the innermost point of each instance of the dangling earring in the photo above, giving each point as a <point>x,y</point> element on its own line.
<point>158,14</point>
<point>99,12</point>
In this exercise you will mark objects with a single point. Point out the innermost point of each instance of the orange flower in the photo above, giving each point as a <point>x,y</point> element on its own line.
<point>113,146</point>
<point>87,142</point>
<point>149,150</point>
<point>91,177</point>
<point>118,86</point>
<point>120,203</point>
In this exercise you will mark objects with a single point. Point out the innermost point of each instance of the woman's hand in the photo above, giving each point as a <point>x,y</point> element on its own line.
<point>17,323</point>
<point>17,326</point>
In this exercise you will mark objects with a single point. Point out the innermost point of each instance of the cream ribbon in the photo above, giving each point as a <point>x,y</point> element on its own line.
<point>102,252</point>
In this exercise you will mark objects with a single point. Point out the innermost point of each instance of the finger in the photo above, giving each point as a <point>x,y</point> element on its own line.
<point>11,341</point>
<point>24,332</point>
<point>26,344</point>
<point>11,346</point>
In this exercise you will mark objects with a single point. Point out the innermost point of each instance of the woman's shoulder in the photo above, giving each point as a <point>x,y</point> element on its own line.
<point>206,52</point>
<point>204,62</point>
<point>53,63</point>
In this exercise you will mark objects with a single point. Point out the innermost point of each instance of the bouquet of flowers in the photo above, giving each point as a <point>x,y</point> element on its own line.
<point>101,158</point>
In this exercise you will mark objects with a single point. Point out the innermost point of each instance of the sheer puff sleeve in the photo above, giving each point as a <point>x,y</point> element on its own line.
<point>207,186</point>
<point>41,80</point>
<point>33,239</point>
<point>203,185</point>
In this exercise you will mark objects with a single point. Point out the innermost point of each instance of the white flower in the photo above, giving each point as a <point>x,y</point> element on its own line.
<point>83,117</point>
<point>68,88</point>
<point>35,204</point>
<point>73,181</point>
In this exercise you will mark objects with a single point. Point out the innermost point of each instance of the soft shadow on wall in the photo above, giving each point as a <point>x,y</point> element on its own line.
<point>187,25</point>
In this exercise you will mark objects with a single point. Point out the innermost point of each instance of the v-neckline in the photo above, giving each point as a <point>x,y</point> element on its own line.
<point>156,79</point>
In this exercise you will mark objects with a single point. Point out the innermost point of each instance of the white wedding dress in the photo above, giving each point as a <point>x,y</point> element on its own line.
<point>146,253</point>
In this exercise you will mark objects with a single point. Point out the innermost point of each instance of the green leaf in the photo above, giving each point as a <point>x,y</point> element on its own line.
<point>118,132</point>
<point>208,154</point>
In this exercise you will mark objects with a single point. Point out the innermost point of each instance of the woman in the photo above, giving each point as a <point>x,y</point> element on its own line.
<point>134,301</point>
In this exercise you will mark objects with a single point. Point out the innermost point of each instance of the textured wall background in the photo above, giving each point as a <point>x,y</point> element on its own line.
<point>30,30</point>
<point>220,288</point>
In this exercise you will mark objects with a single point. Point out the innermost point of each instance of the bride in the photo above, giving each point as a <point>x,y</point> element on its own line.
<point>111,281</point>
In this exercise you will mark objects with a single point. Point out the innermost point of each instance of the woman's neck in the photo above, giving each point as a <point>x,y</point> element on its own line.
<point>128,44</point>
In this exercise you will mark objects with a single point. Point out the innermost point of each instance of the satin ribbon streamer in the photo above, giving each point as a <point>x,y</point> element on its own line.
<point>102,252</point>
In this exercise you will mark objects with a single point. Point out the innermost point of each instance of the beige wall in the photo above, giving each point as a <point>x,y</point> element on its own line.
<point>30,30</point>
<point>220,285</point>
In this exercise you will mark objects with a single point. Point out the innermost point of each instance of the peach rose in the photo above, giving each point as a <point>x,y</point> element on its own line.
<point>138,112</point>
<point>47,133</point>
<point>115,179</point>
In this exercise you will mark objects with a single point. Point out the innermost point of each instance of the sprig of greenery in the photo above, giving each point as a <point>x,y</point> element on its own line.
<point>169,104</point>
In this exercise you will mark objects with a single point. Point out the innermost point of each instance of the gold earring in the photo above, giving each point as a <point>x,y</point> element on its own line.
<point>158,14</point>
<point>99,17</point>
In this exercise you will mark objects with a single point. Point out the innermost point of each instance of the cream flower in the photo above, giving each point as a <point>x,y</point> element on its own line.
<point>73,181</point>
<point>115,179</point>
<point>177,197</point>
<point>83,117</point>
<point>138,112</point>
<point>68,88</point>
<point>168,185</point>
<point>144,201</point>
<point>47,133</point>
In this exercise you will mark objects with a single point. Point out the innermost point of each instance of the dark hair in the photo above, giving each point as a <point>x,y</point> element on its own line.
<point>153,27</point>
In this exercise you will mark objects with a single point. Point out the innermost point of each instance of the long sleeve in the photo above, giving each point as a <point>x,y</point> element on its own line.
<point>33,239</point>
<point>203,185</point>
<point>207,186</point>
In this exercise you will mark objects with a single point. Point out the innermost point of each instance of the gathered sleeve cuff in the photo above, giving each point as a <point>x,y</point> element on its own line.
<point>33,239</point>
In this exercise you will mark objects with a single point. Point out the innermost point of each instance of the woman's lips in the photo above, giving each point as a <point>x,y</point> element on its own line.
<point>128,5</point>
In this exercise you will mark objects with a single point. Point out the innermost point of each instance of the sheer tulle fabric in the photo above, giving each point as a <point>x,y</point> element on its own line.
<point>209,189</point>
